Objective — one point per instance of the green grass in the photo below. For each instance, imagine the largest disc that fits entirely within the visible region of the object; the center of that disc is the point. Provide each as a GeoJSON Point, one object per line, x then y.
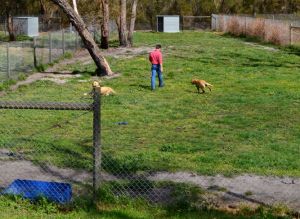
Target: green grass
{"type": "Point", "coordinates": [5, 38]}
{"type": "Point", "coordinates": [14, 207]}
{"type": "Point", "coordinates": [249, 123]}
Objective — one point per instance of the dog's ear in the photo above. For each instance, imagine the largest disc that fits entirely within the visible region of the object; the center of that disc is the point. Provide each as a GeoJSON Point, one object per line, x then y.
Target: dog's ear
{"type": "Point", "coordinates": [96, 84]}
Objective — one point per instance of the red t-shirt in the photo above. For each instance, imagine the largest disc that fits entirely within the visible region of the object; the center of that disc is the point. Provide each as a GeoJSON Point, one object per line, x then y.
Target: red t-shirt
{"type": "Point", "coordinates": [155, 57]}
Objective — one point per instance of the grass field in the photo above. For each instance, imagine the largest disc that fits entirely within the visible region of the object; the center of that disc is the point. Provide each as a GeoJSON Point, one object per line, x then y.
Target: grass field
{"type": "Point", "coordinates": [15, 208]}
{"type": "Point", "coordinates": [249, 123]}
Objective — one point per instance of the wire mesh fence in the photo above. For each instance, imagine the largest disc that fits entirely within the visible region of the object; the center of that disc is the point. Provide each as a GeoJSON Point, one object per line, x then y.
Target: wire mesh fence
{"type": "Point", "coordinates": [22, 56]}
{"type": "Point", "coordinates": [196, 22]}
{"type": "Point", "coordinates": [44, 140]}
{"type": "Point", "coordinates": [46, 149]}
{"type": "Point", "coordinates": [278, 31]}
{"type": "Point", "coordinates": [59, 142]}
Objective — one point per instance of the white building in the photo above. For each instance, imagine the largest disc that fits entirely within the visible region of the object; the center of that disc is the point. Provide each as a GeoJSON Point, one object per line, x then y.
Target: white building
{"type": "Point", "coordinates": [28, 26]}
{"type": "Point", "coordinates": [168, 23]}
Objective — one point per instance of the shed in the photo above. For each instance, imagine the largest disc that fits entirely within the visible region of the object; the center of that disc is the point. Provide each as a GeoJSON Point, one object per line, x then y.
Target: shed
{"type": "Point", "coordinates": [168, 23]}
{"type": "Point", "coordinates": [28, 26]}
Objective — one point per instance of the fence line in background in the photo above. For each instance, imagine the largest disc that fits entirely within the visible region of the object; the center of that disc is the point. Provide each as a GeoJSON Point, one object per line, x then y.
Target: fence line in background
{"type": "Point", "coordinates": [195, 22]}
{"type": "Point", "coordinates": [281, 32]}
{"type": "Point", "coordinates": [23, 56]}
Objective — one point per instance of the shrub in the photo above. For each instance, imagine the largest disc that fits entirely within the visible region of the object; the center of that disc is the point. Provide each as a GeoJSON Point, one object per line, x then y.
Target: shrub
{"type": "Point", "coordinates": [234, 26]}
{"type": "Point", "coordinates": [258, 28]}
{"type": "Point", "coordinates": [275, 37]}
{"type": "Point", "coordinates": [221, 24]}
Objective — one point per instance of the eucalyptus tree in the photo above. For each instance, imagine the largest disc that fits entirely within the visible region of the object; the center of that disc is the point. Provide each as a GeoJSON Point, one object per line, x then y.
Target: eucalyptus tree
{"type": "Point", "coordinates": [105, 24]}
{"type": "Point", "coordinates": [91, 46]}
{"type": "Point", "coordinates": [132, 22]}
{"type": "Point", "coordinates": [7, 10]}
{"type": "Point", "coordinates": [122, 26]}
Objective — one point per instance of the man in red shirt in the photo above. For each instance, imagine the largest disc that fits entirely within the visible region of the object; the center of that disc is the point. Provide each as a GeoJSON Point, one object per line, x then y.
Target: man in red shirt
{"type": "Point", "coordinates": [155, 57]}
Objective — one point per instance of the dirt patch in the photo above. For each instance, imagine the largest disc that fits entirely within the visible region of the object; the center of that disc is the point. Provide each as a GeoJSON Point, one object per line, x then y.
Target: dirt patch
{"type": "Point", "coordinates": [272, 49]}
{"type": "Point", "coordinates": [60, 78]}
{"type": "Point", "coordinates": [83, 57]}
{"type": "Point", "coordinates": [227, 192]}
{"type": "Point", "coordinates": [127, 52]}
{"type": "Point", "coordinates": [250, 189]}
{"type": "Point", "coordinates": [12, 170]}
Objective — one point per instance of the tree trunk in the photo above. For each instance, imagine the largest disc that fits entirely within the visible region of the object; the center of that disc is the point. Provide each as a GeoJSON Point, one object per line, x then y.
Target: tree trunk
{"type": "Point", "coordinates": [75, 6]}
{"type": "Point", "coordinates": [10, 26]}
{"type": "Point", "coordinates": [123, 25]}
{"type": "Point", "coordinates": [118, 22]}
{"type": "Point", "coordinates": [90, 45]}
{"type": "Point", "coordinates": [132, 22]}
{"type": "Point", "coordinates": [149, 15]}
{"type": "Point", "coordinates": [42, 8]}
{"type": "Point", "coordinates": [105, 25]}
{"type": "Point", "coordinates": [254, 8]}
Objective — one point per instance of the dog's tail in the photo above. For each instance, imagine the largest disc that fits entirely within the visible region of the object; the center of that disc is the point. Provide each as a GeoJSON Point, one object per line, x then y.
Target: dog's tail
{"type": "Point", "coordinates": [112, 91]}
{"type": "Point", "coordinates": [208, 84]}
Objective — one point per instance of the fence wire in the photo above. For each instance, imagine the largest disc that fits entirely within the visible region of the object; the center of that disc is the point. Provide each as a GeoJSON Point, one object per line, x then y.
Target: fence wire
{"type": "Point", "coordinates": [196, 22]}
{"type": "Point", "coordinates": [23, 56]}
{"type": "Point", "coordinates": [281, 31]}
{"type": "Point", "coordinates": [50, 141]}
{"type": "Point", "coordinates": [46, 142]}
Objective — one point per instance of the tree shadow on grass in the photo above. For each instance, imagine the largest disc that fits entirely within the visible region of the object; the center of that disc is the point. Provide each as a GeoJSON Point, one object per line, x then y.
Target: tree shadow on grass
{"type": "Point", "coordinates": [141, 86]}
{"type": "Point", "coordinates": [72, 167]}
{"type": "Point", "coordinates": [239, 196]}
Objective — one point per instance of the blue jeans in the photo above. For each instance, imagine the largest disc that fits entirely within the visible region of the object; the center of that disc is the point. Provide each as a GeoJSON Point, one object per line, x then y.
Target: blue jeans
{"type": "Point", "coordinates": [156, 69]}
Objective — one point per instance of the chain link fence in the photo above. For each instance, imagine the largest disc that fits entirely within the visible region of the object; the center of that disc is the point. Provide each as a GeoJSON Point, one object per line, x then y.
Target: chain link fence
{"type": "Point", "coordinates": [60, 142]}
{"type": "Point", "coordinates": [196, 22]}
{"type": "Point", "coordinates": [278, 31]}
{"type": "Point", "coordinates": [22, 56]}
{"type": "Point", "coordinates": [49, 143]}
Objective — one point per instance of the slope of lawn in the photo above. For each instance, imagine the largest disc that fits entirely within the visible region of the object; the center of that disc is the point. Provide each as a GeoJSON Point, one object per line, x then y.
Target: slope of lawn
{"type": "Point", "coordinates": [249, 123]}
{"type": "Point", "coordinates": [15, 208]}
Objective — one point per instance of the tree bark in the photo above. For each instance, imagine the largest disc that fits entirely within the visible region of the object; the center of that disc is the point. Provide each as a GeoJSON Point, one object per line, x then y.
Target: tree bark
{"type": "Point", "coordinates": [42, 8]}
{"type": "Point", "coordinates": [118, 22]}
{"type": "Point", "coordinates": [105, 25]}
{"type": "Point", "coordinates": [10, 26]}
{"type": "Point", "coordinates": [149, 15]}
{"type": "Point", "coordinates": [123, 25]}
{"type": "Point", "coordinates": [75, 6]}
{"type": "Point", "coordinates": [132, 22]}
{"type": "Point", "coordinates": [90, 45]}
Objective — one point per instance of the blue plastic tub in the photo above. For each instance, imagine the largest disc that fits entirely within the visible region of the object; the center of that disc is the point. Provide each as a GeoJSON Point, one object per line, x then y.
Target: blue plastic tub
{"type": "Point", "coordinates": [32, 189]}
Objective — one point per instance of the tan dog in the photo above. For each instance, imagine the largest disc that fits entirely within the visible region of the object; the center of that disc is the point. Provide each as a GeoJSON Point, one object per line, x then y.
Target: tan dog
{"type": "Point", "coordinates": [105, 91]}
{"type": "Point", "coordinates": [201, 84]}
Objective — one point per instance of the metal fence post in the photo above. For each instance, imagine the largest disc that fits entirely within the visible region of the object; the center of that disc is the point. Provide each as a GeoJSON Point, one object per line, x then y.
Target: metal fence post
{"type": "Point", "coordinates": [245, 26]}
{"type": "Point", "coordinates": [291, 34]}
{"type": "Point", "coordinates": [50, 47]}
{"type": "Point", "coordinates": [63, 41]}
{"type": "Point", "coordinates": [34, 52]}
{"type": "Point", "coordinates": [264, 33]}
{"type": "Point", "coordinates": [96, 140]}
{"type": "Point", "coordinates": [76, 40]}
{"type": "Point", "coordinates": [8, 60]}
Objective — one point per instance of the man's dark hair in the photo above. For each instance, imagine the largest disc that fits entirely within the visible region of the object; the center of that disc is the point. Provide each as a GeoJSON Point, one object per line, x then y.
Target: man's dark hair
{"type": "Point", "coordinates": [158, 46]}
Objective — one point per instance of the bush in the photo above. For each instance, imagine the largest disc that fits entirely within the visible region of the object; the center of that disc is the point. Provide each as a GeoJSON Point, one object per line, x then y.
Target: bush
{"type": "Point", "coordinates": [234, 27]}
{"type": "Point", "coordinates": [275, 37]}
{"type": "Point", "coordinates": [258, 28]}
